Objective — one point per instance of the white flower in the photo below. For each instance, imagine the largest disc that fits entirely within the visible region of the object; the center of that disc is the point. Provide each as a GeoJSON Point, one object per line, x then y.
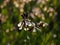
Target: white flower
{"type": "Point", "coordinates": [30, 24]}
{"type": "Point", "coordinates": [25, 29]}
{"type": "Point", "coordinates": [45, 24]}
{"type": "Point", "coordinates": [19, 24]}
{"type": "Point", "coordinates": [20, 28]}
{"type": "Point", "coordinates": [41, 21]}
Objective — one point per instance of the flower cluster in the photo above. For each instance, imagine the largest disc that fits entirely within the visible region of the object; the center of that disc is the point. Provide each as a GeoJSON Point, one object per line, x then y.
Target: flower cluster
{"type": "Point", "coordinates": [48, 11]}
{"type": "Point", "coordinates": [28, 25]}
{"type": "Point", "coordinates": [25, 24]}
{"type": "Point", "coordinates": [20, 4]}
{"type": "Point", "coordinates": [5, 2]}
{"type": "Point", "coordinates": [44, 9]}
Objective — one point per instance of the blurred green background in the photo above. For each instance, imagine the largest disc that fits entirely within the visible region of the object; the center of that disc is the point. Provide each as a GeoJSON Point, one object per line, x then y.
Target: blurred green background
{"type": "Point", "coordinates": [10, 16]}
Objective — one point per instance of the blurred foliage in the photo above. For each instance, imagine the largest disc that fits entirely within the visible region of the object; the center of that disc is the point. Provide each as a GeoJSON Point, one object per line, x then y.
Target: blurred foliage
{"type": "Point", "coordinates": [10, 16]}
